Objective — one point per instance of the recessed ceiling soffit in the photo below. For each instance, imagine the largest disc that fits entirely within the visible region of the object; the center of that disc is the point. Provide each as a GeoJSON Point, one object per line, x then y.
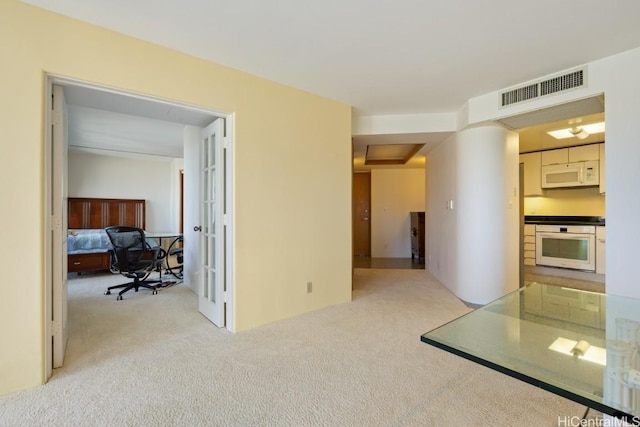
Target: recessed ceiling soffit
{"type": "Point", "coordinates": [391, 154]}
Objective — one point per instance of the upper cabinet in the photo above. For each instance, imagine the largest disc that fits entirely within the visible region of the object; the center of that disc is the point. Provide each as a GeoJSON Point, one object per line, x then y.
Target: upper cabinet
{"type": "Point", "coordinates": [580, 153]}
{"type": "Point", "coordinates": [583, 153]}
{"type": "Point", "coordinates": [533, 163]}
{"type": "Point", "coordinates": [532, 168]}
{"type": "Point", "coordinates": [555, 157]}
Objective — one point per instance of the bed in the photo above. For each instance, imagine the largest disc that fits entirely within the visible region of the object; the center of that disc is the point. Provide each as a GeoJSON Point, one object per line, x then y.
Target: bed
{"type": "Point", "coordinates": [88, 245]}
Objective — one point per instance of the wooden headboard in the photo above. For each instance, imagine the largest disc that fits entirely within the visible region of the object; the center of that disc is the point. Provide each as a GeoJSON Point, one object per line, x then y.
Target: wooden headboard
{"type": "Point", "coordinates": [102, 213]}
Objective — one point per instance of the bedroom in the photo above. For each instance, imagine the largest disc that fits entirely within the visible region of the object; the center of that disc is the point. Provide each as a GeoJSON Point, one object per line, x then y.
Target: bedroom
{"type": "Point", "coordinates": [123, 147]}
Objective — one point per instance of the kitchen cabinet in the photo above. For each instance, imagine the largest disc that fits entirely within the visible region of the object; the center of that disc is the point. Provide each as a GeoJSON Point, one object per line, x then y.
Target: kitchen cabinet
{"type": "Point", "coordinates": [601, 240]}
{"type": "Point", "coordinates": [532, 167]}
{"type": "Point", "coordinates": [603, 185]}
{"type": "Point", "coordinates": [554, 157]}
{"type": "Point", "coordinates": [529, 244]}
{"type": "Point", "coordinates": [583, 153]}
{"type": "Point", "coordinates": [580, 153]}
{"type": "Point", "coordinates": [533, 163]}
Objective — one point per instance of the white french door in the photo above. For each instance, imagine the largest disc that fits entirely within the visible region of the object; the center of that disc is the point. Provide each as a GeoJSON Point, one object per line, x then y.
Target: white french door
{"type": "Point", "coordinates": [212, 228]}
{"type": "Point", "coordinates": [58, 206]}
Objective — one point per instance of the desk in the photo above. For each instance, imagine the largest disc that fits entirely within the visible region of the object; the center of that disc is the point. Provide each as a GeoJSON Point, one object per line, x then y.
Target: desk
{"type": "Point", "coordinates": [175, 270]}
{"type": "Point", "coordinates": [577, 344]}
{"type": "Point", "coordinates": [161, 236]}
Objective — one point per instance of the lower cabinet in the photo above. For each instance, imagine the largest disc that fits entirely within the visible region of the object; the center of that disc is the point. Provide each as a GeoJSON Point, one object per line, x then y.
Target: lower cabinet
{"type": "Point", "coordinates": [529, 244]}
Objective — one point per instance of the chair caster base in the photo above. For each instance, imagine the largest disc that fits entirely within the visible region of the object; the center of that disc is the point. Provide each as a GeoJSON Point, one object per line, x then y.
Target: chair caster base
{"type": "Point", "coordinates": [155, 292]}
{"type": "Point", "coordinates": [107, 292]}
{"type": "Point", "coordinates": [119, 298]}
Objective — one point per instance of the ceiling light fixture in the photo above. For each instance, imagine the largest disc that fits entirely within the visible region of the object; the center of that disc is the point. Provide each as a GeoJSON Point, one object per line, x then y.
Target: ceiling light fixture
{"type": "Point", "coordinates": [580, 132]}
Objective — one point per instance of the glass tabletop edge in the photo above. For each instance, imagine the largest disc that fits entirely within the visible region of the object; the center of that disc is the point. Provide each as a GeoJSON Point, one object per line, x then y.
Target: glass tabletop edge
{"type": "Point", "coordinates": [598, 406]}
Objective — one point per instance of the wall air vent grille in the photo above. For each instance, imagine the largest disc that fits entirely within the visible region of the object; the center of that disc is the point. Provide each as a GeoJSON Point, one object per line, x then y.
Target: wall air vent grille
{"type": "Point", "coordinates": [560, 83]}
{"type": "Point", "coordinates": [520, 94]}
{"type": "Point", "coordinates": [572, 80]}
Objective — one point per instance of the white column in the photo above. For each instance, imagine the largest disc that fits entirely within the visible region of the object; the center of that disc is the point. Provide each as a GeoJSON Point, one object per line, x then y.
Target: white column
{"type": "Point", "coordinates": [487, 214]}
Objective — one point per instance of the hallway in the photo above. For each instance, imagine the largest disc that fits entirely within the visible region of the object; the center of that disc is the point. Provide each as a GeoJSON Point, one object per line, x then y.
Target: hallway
{"type": "Point", "coordinates": [388, 263]}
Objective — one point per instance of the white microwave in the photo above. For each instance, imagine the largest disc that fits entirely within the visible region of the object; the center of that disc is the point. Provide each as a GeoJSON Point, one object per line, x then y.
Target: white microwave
{"type": "Point", "coordinates": [578, 174]}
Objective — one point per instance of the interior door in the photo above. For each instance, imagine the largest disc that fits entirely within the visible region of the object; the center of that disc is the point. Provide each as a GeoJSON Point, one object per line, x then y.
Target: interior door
{"type": "Point", "coordinates": [59, 196]}
{"type": "Point", "coordinates": [361, 212]}
{"type": "Point", "coordinates": [211, 228]}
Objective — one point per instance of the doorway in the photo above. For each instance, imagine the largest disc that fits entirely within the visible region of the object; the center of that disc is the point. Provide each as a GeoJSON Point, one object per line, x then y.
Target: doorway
{"type": "Point", "coordinates": [124, 103]}
{"type": "Point", "coordinates": [542, 145]}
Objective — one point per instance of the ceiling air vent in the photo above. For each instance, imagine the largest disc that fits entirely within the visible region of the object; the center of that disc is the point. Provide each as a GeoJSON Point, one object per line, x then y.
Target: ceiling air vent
{"type": "Point", "coordinates": [519, 95]}
{"type": "Point", "coordinates": [561, 83]}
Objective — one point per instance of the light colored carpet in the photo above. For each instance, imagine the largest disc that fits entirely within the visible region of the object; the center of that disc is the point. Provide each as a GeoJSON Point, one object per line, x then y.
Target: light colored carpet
{"type": "Point", "coordinates": [153, 360]}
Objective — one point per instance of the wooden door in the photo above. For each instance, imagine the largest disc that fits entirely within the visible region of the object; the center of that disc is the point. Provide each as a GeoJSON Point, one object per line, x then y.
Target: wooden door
{"type": "Point", "coordinates": [361, 212]}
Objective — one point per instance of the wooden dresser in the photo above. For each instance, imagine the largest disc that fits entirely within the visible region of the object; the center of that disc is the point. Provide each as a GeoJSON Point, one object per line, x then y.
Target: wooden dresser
{"type": "Point", "coordinates": [417, 235]}
{"type": "Point", "coordinates": [82, 263]}
{"type": "Point", "coordinates": [98, 213]}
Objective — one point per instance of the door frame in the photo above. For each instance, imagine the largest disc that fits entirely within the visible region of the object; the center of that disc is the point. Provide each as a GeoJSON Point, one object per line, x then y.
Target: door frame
{"type": "Point", "coordinates": [51, 79]}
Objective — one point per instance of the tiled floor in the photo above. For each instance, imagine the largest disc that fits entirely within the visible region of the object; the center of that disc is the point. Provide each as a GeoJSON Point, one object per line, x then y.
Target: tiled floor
{"type": "Point", "coordinates": [388, 263]}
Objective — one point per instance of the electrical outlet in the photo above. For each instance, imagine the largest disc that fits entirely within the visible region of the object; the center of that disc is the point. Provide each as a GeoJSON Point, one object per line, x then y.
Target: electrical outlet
{"type": "Point", "coordinates": [309, 287]}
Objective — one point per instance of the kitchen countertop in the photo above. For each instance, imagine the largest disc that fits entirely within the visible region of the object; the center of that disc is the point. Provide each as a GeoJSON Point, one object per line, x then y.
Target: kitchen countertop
{"type": "Point", "coordinates": [564, 220]}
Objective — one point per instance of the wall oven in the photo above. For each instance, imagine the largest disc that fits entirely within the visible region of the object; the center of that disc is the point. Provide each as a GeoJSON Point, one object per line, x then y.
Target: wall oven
{"type": "Point", "coordinates": [567, 246]}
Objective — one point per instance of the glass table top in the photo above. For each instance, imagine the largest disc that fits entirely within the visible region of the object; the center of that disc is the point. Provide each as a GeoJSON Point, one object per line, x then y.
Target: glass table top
{"type": "Point", "coordinates": [578, 344]}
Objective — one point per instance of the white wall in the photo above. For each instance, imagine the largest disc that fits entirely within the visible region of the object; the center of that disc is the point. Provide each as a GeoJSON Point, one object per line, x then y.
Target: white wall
{"type": "Point", "coordinates": [472, 195]}
{"type": "Point", "coordinates": [191, 139]}
{"type": "Point", "coordinates": [394, 194]}
{"type": "Point", "coordinates": [92, 175]}
{"type": "Point", "coordinates": [487, 213]}
{"type": "Point", "coordinates": [622, 165]}
{"type": "Point", "coordinates": [176, 166]}
{"type": "Point", "coordinates": [404, 123]}
{"type": "Point", "coordinates": [440, 222]}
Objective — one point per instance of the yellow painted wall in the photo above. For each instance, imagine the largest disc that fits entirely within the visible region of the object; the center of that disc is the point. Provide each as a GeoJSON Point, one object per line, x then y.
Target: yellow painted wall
{"type": "Point", "coordinates": [292, 173]}
{"type": "Point", "coordinates": [574, 202]}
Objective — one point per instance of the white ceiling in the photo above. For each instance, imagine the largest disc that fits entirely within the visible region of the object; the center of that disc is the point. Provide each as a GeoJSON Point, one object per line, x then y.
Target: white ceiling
{"type": "Point", "coordinates": [381, 57]}
{"type": "Point", "coordinates": [103, 122]}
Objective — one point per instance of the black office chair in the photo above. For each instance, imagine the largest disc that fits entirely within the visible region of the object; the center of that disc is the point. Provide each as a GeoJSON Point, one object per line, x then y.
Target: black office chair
{"type": "Point", "coordinates": [133, 257]}
{"type": "Point", "coordinates": [176, 258]}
